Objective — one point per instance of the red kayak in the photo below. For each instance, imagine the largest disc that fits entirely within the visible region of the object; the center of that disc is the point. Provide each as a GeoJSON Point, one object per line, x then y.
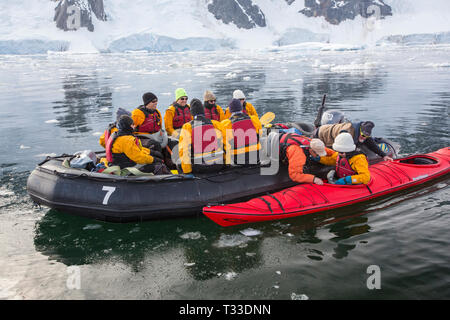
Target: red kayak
{"type": "Point", "coordinates": [386, 177]}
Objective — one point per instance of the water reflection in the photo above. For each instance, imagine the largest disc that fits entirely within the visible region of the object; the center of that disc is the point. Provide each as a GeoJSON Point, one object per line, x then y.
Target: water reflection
{"type": "Point", "coordinates": [209, 250]}
{"type": "Point", "coordinates": [85, 97]}
{"type": "Point", "coordinates": [224, 86]}
{"type": "Point", "coordinates": [340, 88]}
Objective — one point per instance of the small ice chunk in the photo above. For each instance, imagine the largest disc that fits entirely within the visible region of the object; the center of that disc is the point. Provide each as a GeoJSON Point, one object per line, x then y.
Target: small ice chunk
{"type": "Point", "coordinates": [230, 75]}
{"type": "Point", "coordinates": [191, 235]}
{"type": "Point", "coordinates": [52, 121]}
{"type": "Point", "coordinates": [295, 296]}
{"type": "Point", "coordinates": [230, 275]}
{"type": "Point", "coordinates": [250, 232]}
{"type": "Point", "coordinates": [189, 264]}
{"type": "Point", "coordinates": [92, 227]}
{"type": "Point", "coordinates": [233, 240]}
{"type": "Point", "coordinates": [278, 272]}
{"type": "Point", "coordinates": [24, 147]}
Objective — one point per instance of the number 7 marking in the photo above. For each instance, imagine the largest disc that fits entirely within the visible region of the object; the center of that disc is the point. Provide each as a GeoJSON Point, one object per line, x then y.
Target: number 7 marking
{"type": "Point", "coordinates": [108, 194]}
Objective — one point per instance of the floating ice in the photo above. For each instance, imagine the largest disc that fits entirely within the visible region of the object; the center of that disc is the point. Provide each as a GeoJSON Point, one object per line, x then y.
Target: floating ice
{"type": "Point", "coordinates": [191, 235]}
{"type": "Point", "coordinates": [230, 75]}
{"type": "Point", "coordinates": [52, 121]}
{"type": "Point", "coordinates": [232, 240]}
{"type": "Point", "coordinates": [250, 232]}
{"type": "Point", "coordinates": [92, 227]}
{"type": "Point", "coordinates": [438, 65]}
{"type": "Point", "coordinates": [24, 147]}
{"type": "Point", "coordinates": [97, 133]}
{"type": "Point", "coordinates": [230, 275]}
{"type": "Point", "coordinates": [295, 296]}
{"type": "Point", "coordinates": [189, 264]}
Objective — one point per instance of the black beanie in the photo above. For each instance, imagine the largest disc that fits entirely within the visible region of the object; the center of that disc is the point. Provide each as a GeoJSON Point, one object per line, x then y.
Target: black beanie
{"type": "Point", "coordinates": [196, 107]}
{"type": "Point", "coordinates": [124, 124]}
{"type": "Point", "coordinates": [235, 106]}
{"type": "Point", "coordinates": [148, 97]}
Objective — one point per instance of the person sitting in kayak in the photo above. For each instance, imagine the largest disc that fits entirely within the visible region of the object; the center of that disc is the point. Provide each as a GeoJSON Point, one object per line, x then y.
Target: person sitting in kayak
{"type": "Point", "coordinates": [201, 142]}
{"type": "Point", "coordinates": [177, 114]}
{"type": "Point", "coordinates": [296, 151]}
{"type": "Point", "coordinates": [123, 149]}
{"type": "Point", "coordinates": [247, 107]}
{"type": "Point", "coordinates": [352, 166]}
{"type": "Point", "coordinates": [242, 133]}
{"type": "Point", "coordinates": [212, 110]}
{"type": "Point", "coordinates": [360, 131]}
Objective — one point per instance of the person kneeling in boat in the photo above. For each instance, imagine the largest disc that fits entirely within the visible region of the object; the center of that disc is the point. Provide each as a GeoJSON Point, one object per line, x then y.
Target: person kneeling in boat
{"type": "Point", "coordinates": [147, 120]}
{"type": "Point", "coordinates": [201, 142]}
{"type": "Point", "coordinates": [360, 131]}
{"type": "Point", "coordinates": [297, 152]}
{"type": "Point", "coordinates": [123, 149]}
{"type": "Point", "coordinates": [352, 166]}
{"type": "Point", "coordinates": [242, 133]}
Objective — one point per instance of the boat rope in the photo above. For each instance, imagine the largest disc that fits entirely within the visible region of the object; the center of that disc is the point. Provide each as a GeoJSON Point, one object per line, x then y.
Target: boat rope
{"type": "Point", "coordinates": [383, 174]}
{"type": "Point", "coordinates": [266, 202]}
{"type": "Point", "coordinates": [276, 199]}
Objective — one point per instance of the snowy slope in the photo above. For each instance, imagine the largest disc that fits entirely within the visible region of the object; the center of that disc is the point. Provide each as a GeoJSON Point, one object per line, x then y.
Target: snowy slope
{"type": "Point", "coordinates": [179, 25]}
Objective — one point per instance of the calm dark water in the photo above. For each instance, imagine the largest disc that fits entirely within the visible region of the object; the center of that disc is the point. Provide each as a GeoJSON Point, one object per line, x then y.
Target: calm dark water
{"type": "Point", "coordinates": [54, 104]}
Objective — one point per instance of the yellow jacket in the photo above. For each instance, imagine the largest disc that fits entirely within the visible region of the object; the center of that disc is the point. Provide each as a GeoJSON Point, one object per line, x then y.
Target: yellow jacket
{"type": "Point", "coordinates": [139, 117]}
{"type": "Point", "coordinates": [127, 145]}
{"type": "Point", "coordinates": [102, 141]}
{"type": "Point", "coordinates": [228, 127]}
{"type": "Point", "coordinates": [358, 163]}
{"type": "Point", "coordinates": [251, 111]}
{"type": "Point", "coordinates": [185, 141]}
{"type": "Point", "coordinates": [168, 119]}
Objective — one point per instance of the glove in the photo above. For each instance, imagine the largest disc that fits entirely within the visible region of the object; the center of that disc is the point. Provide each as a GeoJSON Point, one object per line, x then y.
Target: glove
{"type": "Point", "coordinates": [157, 160]}
{"type": "Point", "coordinates": [346, 180]}
{"type": "Point", "coordinates": [316, 159]}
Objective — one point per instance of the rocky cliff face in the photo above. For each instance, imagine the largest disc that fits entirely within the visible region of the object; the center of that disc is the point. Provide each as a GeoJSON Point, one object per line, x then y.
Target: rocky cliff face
{"type": "Point", "coordinates": [243, 13]}
{"type": "Point", "coordinates": [76, 14]}
{"type": "Point", "coordinates": [336, 11]}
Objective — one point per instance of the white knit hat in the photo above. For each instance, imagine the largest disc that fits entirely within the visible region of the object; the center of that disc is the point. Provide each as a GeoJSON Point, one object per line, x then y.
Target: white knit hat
{"type": "Point", "coordinates": [344, 143]}
{"type": "Point", "coordinates": [238, 94]}
{"type": "Point", "coordinates": [318, 147]}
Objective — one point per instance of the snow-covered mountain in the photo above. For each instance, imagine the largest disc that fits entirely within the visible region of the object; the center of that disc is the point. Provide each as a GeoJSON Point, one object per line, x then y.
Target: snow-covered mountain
{"type": "Point", "coordinates": [36, 26]}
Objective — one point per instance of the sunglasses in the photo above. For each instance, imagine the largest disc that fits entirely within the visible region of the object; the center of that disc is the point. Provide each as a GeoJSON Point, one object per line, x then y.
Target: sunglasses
{"type": "Point", "coordinates": [242, 99]}
{"type": "Point", "coordinates": [154, 101]}
{"type": "Point", "coordinates": [363, 135]}
{"type": "Point", "coordinates": [185, 98]}
{"type": "Point", "coordinates": [211, 101]}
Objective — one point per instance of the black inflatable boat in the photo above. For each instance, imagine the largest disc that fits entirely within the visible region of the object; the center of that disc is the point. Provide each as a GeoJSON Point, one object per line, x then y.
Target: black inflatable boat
{"type": "Point", "coordinates": [136, 198]}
